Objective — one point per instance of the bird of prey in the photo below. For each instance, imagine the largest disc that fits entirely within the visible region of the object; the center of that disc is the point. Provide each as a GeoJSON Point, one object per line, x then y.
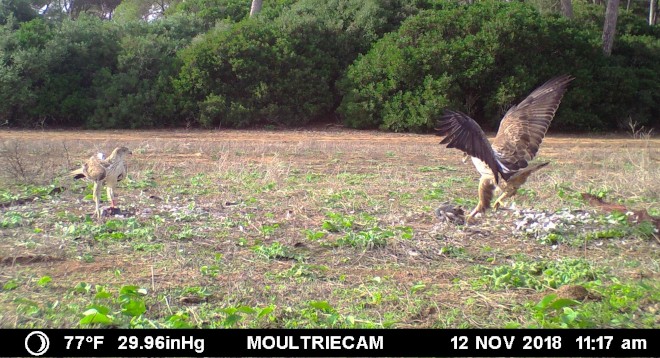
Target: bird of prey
{"type": "Point", "coordinates": [101, 171]}
{"type": "Point", "coordinates": [505, 162]}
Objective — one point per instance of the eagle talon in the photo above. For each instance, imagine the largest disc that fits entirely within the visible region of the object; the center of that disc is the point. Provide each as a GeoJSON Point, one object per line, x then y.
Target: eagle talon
{"type": "Point", "coordinates": [467, 220]}
{"type": "Point", "coordinates": [472, 215]}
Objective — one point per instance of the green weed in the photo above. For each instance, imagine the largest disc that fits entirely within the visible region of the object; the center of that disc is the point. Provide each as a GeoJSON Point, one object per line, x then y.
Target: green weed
{"type": "Point", "coordinates": [44, 281]}
{"type": "Point", "coordinates": [338, 222]}
{"type": "Point", "coordinates": [274, 251]}
{"type": "Point", "coordinates": [233, 316]}
{"type": "Point", "coordinates": [354, 178]}
{"type": "Point", "coordinates": [453, 251]}
{"type": "Point", "coordinates": [368, 239]}
{"type": "Point", "coordinates": [196, 291]}
{"type": "Point", "coordinates": [553, 312]}
{"type": "Point", "coordinates": [268, 230]}
{"type": "Point", "coordinates": [437, 168]}
{"type": "Point", "coordinates": [146, 181]}
{"type": "Point", "coordinates": [536, 275]}
{"type": "Point", "coordinates": [110, 310]}
{"type": "Point", "coordinates": [313, 235]}
{"type": "Point", "coordinates": [12, 219]}
{"type": "Point", "coordinates": [304, 271]}
{"type": "Point", "coordinates": [10, 285]}
{"type": "Point", "coordinates": [568, 195]}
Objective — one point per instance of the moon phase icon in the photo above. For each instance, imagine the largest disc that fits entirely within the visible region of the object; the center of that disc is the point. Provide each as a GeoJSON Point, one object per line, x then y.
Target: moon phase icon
{"type": "Point", "coordinates": [43, 338]}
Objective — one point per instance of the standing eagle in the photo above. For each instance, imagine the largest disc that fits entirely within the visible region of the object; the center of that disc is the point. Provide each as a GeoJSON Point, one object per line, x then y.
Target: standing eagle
{"type": "Point", "coordinates": [101, 171]}
{"type": "Point", "coordinates": [517, 141]}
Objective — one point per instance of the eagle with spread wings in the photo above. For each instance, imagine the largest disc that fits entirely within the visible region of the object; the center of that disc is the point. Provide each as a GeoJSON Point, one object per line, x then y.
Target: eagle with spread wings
{"type": "Point", "coordinates": [505, 162]}
{"type": "Point", "coordinates": [106, 172]}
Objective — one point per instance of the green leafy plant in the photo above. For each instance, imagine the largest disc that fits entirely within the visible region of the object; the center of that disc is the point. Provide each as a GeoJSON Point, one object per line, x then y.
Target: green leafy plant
{"type": "Point", "coordinates": [11, 219]}
{"type": "Point", "coordinates": [129, 302]}
{"type": "Point", "coordinates": [303, 270]}
{"type": "Point", "coordinates": [10, 285]}
{"type": "Point", "coordinates": [537, 275]}
{"type": "Point", "coordinates": [368, 239]}
{"type": "Point", "coordinates": [233, 315]}
{"type": "Point", "coordinates": [337, 222]}
{"type": "Point", "coordinates": [314, 235]}
{"type": "Point", "coordinates": [44, 281]}
{"type": "Point", "coordinates": [269, 229]}
{"type": "Point", "coordinates": [274, 251]}
{"type": "Point", "coordinates": [553, 312]}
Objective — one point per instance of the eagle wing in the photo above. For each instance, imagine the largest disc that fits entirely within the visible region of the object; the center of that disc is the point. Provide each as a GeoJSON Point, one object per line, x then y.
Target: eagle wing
{"type": "Point", "coordinates": [93, 169]}
{"type": "Point", "coordinates": [524, 126]}
{"type": "Point", "coordinates": [462, 132]}
{"type": "Point", "coordinates": [115, 167]}
{"type": "Point", "coordinates": [122, 172]}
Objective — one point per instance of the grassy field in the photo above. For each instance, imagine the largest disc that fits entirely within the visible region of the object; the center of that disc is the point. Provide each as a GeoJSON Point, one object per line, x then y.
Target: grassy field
{"type": "Point", "coordinates": [327, 228]}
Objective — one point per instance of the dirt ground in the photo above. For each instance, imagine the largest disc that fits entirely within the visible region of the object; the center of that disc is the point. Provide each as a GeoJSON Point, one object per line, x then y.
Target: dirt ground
{"type": "Point", "coordinates": [194, 195]}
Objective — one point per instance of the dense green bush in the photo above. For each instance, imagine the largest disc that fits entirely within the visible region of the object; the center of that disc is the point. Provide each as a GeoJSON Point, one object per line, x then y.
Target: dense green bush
{"type": "Point", "coordinates": [210, 12]}
{"type": "Point", "coordinates": [282, 71]}
{"type": "Point", "coordinates": [49, 70]}
{"type": "Point", "coordinates": [16, 10]}
{"type": "Point", "coordinates": [138, 92]}
{"type": "Point", "coordinates": [93, 73]}
{"type": "Point", "coordinates": [332, 33]}
{"type": "Point", "coordinates": [484, 57]}
{"type": "Point", "coordinates": [390, 64]}
{"type": "Point", "coordinates": [244, 74]}
{"type": "Point", "coordinates": [627, 84]}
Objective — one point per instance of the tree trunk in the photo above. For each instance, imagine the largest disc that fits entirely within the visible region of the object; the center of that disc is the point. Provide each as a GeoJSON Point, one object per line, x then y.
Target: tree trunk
{"type": "Point", "coordinates": [567, 8]}
{"type": "Point", "coordinates": [256, 7]}
{"type": "Point", "coordinates": [653, 12]}
{"type": "Point", "coordinates": [628, 5]}
{"type": "Point", "coordinates": [609, 28]}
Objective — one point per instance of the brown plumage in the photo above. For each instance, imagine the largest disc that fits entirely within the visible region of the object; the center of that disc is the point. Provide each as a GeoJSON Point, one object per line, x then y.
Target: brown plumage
{"type": "Point", "coordinates": [518, 139]}
{"type": "Point", "coordinates": [106, 172]}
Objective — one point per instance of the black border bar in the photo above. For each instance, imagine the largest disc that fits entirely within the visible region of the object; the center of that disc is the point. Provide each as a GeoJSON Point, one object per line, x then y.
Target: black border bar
{"type": "Point", "coordinates": [330, 342]}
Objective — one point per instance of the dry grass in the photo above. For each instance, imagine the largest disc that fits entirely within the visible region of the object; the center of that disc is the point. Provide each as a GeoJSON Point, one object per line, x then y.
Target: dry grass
{"type": "Point", "coordinates": [202, 205]}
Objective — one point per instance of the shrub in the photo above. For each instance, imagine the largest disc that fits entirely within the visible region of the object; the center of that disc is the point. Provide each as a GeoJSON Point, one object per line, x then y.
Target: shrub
{"type": "Point", "coordinates": [242, 74]}
{"type": "Point", "coordinates": [282, 71]}
{"type": "Point", "coordinates": [333, 33]}
{"type": "Point", "coordinates": [93, 73]}
{"type": "Point", "coordinates": [212, 11]}
{"type": "Point", "coordinates": [138, 92]}
{"type": "Point", "coordinates": [20, 10]}
{"type": "Point", "coordinates": [390, 64]}
{"type": "Point", "coordinates": [483, 58]}
{"type": "Point", "coordinates": [53, 67]}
